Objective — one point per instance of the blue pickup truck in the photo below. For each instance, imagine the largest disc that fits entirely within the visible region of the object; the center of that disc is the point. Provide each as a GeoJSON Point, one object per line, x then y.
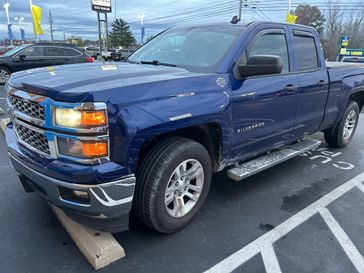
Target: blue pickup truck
{"type": "Point", "coordinates": [101, 140]}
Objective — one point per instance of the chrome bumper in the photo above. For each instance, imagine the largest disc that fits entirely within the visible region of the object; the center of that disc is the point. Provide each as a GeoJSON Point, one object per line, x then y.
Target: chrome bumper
{"type": "Point", "coordinates": [107, 200]}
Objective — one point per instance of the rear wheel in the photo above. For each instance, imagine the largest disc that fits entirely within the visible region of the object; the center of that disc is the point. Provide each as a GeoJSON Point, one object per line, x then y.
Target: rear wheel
{"type": "Point", "coordinates": [172, 184]}
{"type": "Point", "coordinates": [343, 132]}
{"type": "Point", "coordinates": [4, 75]}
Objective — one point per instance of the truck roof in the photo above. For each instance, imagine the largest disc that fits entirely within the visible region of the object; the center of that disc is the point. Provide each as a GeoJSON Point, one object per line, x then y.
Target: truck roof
{"type": "Point", "coordinates": [243, 24]}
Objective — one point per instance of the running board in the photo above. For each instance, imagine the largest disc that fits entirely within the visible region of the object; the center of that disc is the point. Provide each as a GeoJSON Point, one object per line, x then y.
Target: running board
{"type": "Point", "coordinates": [266, 161]}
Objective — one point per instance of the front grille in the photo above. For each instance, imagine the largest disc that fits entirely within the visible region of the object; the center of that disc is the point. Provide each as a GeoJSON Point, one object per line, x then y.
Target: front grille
{"type": "Point", "coordinates": [27, 107]}
{"type": "Point", "coordinates": [32, 138]}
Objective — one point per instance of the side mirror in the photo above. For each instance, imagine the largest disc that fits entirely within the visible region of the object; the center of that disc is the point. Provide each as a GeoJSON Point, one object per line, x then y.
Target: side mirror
{"type": "Point", "coordinates": [261, 65]}
{"type": "Point", "coordinates": [22, 56]}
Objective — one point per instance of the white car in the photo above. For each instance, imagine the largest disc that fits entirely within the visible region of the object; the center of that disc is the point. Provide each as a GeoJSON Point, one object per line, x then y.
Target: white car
{"type": "Point", "coordinates": [353, 59]}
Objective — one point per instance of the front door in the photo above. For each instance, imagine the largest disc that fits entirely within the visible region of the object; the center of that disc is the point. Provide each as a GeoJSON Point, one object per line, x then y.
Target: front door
{"type": "Point", "coordinates": [264, 107]}
{"type": "Point", "coordinates": [30, 57]}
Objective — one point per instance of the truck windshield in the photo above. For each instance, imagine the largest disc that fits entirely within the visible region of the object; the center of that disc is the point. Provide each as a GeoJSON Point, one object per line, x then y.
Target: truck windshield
{"type": "Point", "coordinates": [198, 49]}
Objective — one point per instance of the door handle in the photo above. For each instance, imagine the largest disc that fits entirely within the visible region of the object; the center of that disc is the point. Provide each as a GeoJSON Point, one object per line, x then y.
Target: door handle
{"type": "Point", "coordinates": [290, 88]}
{"type": "Point", "coordinates": [322, 83]}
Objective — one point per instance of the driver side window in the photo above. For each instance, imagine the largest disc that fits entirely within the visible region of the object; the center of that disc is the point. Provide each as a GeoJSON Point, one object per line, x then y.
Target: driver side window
{"type": "Point", "coordinates": [269, 44]}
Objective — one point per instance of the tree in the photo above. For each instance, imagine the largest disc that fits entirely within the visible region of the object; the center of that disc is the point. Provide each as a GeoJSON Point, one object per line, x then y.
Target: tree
{"type": "Point", "coordinates": [310, 16]}
{"type": "Point", "coordinates": [354, 29]}
{"type": "Point", "coordinates": [121, 35]}
{"type": "Point", "coordinates": [333, 31]}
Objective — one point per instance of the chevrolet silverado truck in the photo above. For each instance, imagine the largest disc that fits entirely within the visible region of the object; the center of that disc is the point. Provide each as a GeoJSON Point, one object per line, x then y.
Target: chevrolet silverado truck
{"type": "Point", "coordinates": [103, 140]}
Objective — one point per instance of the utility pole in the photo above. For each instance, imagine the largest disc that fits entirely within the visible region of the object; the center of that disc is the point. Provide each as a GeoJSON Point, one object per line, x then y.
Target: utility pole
{"type": "Point", "coordinates": [51, 24]}
{"type": "Point", "coordinates": [64, 37]}
{"type": "Point", "coordinates": [240, 9]}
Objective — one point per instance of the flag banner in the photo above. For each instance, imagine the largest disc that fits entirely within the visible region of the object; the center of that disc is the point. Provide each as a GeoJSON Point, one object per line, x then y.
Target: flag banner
{"type": "Point", "coordinates": [22, 32]}
{"type": "Point", "coordinates": [10, 33]}
{"type": "Point", "coordinates": [37, 19]}
{"type": "Point", "coordinates": [291, 19]}
{"type": "Point", "coordinates": [143, 34]}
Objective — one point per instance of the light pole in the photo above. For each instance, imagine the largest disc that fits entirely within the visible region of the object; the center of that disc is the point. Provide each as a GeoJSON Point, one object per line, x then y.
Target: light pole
{"type": "Point", "coordinates": [141, 17]}
{"type": "Point", "coordinates": [289, 7]}
{"type": "Point", "coordinates": [20, 21]}
{"type": "Point", "coordinates": [6, 7]}
{"type": "Point", "coordinates": [51, 25]}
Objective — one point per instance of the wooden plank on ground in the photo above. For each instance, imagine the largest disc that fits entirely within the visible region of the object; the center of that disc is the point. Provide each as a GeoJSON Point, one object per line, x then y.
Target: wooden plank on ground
{"type": "Point", "coordinates": [3, 123]}
{"type": "Point", "coordinates": [99, 248]}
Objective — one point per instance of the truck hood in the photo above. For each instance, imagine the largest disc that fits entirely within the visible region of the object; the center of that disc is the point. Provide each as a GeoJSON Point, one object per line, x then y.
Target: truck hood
{"type": "Point", "coordinates": [86, 82]}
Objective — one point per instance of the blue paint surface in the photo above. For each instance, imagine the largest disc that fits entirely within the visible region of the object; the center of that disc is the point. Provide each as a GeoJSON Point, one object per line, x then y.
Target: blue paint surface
{"type": "Point", "coordinates": [254, 114]}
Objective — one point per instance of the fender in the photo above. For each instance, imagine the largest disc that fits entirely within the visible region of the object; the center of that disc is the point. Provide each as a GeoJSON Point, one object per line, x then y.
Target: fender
{"type": "Point", "coordinates": [143, 121]}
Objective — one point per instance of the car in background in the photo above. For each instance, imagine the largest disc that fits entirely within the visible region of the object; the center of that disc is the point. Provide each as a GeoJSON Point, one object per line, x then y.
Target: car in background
{"type": "Point", "coordinates": [92, 52]}
{"type": "Point", "coordinates": [4, 49]}
{"type": "Point", "coordinates": [121, 54]}
{"type": "Point", "coordinates": [353, 60]}
{"type": "Point", "coordinates": [39, 55]}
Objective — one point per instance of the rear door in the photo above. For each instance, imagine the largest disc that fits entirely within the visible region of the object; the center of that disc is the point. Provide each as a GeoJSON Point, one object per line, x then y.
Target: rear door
{"type": "Point", "coordinates": [54, 55]}
{"type": "Point", "coordinates": [58, 55]}
{"type": "Point", "coordinates": [74, 55]}
{"type": "Point", "coordinates": [313, 82]}
{"type": "Point", "coordinates": [264, 107]}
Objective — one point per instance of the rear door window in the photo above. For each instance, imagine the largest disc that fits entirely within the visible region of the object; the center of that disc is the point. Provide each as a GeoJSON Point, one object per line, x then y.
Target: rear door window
{"type": "Point", "coordinates": [71, 52]}
{"type": "Point", "coordinates": [306, 51]}
{"type": "Point", "coordinates": [54, 52]}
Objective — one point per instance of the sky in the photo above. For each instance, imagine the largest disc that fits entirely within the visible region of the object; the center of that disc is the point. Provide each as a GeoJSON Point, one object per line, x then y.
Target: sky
{"type": "Point", "coordinates": [75, 17]}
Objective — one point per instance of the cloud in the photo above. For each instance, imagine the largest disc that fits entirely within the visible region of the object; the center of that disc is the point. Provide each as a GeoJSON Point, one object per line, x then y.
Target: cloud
{"type": "Point", "coordinates": [75, 17]}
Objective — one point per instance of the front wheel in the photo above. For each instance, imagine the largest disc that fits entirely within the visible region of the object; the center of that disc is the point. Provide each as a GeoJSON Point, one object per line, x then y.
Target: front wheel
{"type": "Point", "coordinates": [4, 75]}
{"type": "Point", "coordinates": [343, 132]}
{"type": "Point", "coordinates": [172, 184]}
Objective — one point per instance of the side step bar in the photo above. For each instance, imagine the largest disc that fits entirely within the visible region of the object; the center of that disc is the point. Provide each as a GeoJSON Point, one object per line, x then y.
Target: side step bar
{"type": "Point", "coordinates": [266, 161]}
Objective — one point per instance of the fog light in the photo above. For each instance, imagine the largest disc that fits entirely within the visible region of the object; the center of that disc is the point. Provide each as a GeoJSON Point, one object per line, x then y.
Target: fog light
{"type": "Point", "coordinates": [74, 196]}
{"type": "Point", "coordinates": [83, 149]}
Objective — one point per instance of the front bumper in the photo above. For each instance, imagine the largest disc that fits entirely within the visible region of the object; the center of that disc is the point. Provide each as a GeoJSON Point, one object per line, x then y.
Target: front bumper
{"type": "Point", "coordinates": [107, 206]}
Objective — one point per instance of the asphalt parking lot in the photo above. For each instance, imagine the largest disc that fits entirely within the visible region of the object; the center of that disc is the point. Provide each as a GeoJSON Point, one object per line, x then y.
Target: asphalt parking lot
{"type": "Point", "coordinates": [304, 215]}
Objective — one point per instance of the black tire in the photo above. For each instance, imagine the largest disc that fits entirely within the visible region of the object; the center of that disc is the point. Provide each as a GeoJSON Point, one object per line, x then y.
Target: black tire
{"type": "Point", "coordinates": [6, 70]}
{"type": "Point", "coordinates": [335, 135]}
{"type": "Point", "coordinates": [153, 177]}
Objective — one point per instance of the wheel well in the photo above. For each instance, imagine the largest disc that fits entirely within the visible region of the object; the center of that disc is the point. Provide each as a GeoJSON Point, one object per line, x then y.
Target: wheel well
{"type": "Point", "coordinates": [358, 98]}
{"type": "Point", "coordinates": [7, 67]}
{"type": "Point", "coordinates": [208, 135]}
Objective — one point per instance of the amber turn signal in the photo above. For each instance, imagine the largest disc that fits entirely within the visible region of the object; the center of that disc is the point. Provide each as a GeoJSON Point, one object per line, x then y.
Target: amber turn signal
{"type": "Point", "coordinates": [94, 118]}
{"type": "Point", "coordinates": [94, 149]}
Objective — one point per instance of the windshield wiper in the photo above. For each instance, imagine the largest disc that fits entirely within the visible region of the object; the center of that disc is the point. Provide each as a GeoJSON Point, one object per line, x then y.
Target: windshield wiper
{"type": "Point", "coordinates": [156, 62]}
{"type": "Point", "coordinates": [131, 61]}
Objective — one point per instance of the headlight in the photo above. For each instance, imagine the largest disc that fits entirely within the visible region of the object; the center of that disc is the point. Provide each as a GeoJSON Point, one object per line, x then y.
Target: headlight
{"type": "Point", "coordinates": [82, 149]}
{"type": "Point", "coordinates": [73, 118]}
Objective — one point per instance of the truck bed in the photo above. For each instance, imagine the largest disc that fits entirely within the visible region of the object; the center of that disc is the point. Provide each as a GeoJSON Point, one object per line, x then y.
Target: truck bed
{"type": "Point", "coordinates": [337, 65]}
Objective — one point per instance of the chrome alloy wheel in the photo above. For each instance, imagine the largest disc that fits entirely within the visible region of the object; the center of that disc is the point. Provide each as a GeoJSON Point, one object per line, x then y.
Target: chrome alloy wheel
{"type": "Point", "coordinates": [4, 76]}
{"type": "Point", "coordinates": [349, 125]}
{"type": "Point", "coordinates": [184, 188]}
